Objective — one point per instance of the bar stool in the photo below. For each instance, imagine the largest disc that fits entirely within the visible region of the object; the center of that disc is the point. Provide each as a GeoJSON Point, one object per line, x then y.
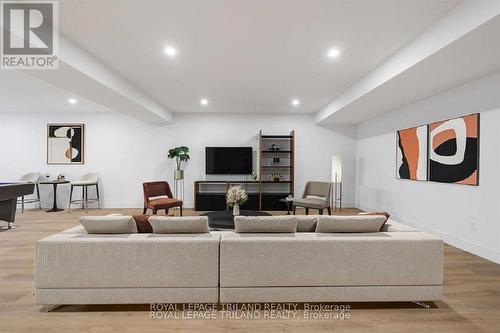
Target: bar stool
{"type": "Point", "coordinates": [89, 179]}
{"type": "Point", "coordinates": [31, 178]}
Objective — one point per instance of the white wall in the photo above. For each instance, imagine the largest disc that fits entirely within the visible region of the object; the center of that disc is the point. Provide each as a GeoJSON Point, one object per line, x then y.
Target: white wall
{"type": "Point", "coordinates": [127, 152]}
{"type": "Point", "coordinates": [465, 216]}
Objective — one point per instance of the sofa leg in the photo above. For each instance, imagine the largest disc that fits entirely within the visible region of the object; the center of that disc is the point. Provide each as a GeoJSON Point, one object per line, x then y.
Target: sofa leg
{"type": "Point", "coordinates": [320, 211]}
{"type": "Point", "coordinates": [329, 210]}
{"type": "Point", "coordinates": [422, 304]}
{"type": "Point", "coordinates": [155, 211]}
{"type": "Point", "coordinates": [144, 211]}
{"type": "Point", "coordinates": [307, 211]}
{"type": "Point", "coordinates": [294, 209]}
{"type": "Point", "coordinates": [181, 210]}
{"type": "Point", "coordinates": [50, 308]}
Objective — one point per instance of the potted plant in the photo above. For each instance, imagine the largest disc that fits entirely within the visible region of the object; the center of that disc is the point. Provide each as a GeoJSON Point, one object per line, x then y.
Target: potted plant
{"type": "Point", "coordinates": [181, 154]}
{"type": "Point", "coordinates": [235, 197]}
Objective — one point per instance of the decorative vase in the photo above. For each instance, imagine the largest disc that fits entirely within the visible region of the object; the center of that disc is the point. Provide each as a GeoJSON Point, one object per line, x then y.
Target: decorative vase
{"type": "Point", "coordinates": [236, 209]}
{"type": "Point", "coordinates": [179, 174]}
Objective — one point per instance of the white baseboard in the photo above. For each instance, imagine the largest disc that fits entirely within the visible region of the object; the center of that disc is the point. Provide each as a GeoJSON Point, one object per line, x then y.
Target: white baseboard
{"type": "Point", "coordinates": [458, 242]}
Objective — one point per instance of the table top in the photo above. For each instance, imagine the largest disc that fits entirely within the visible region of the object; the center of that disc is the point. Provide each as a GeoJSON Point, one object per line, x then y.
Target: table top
{"type": "Point", "coordinates": [53, 182]}
{"type": "Point", "coordinates": [224, 219]}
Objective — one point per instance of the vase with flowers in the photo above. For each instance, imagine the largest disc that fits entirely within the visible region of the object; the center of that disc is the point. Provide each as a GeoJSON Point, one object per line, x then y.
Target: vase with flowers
{"type": "Point", "coordinates": [235, 197]}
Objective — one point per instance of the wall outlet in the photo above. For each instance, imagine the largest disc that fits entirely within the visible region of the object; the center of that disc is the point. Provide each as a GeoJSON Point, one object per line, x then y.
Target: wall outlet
{"type": "Point", "coordinates": [472, 226]}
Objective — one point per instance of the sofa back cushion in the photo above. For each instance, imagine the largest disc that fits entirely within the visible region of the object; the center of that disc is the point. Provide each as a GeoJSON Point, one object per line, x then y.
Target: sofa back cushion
{"type": "Point", "coordinates": [356, 223]}
{"type": "Point", "coordinates": [179, 225]}
{"type": "Point", "coordinates": [306, 223]}
{"type": "Point", "coordinates": [266, 224]}
{"type": "Point", "coordinates": [108, 224]}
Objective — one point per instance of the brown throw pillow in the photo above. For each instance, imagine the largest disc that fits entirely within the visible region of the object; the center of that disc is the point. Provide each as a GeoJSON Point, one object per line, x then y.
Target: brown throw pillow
{"type": "Point", "coordinates": [143, 225]}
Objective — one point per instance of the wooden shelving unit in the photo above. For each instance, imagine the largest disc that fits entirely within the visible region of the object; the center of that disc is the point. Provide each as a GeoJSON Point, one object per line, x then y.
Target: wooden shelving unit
{"type": "Point", "coordinates": [269, 191]}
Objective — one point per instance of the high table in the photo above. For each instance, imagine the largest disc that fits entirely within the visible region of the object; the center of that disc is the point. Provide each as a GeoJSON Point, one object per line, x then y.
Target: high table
{"type": "Point", "coordinates": [54, 183]}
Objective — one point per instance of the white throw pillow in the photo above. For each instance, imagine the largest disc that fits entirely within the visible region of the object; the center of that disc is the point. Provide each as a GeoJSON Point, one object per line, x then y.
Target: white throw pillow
{"type": "Point", "coordinates": [179, 225]}
{"type": "Point", "coordinates": [108, 224]}
{"type": "Point", "coordinates": [257, 224]}
{"type": "Point", "coordinates": [356, 223]}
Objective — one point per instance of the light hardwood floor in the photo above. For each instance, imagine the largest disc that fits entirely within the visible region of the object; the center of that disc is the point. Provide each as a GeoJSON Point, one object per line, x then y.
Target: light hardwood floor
{"type": "Point", "coordinates": [471, 297]}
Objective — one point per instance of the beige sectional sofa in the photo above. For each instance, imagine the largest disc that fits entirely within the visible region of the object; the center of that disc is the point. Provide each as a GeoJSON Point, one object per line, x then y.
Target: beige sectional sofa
{"type": "Point", "coordinates": [397, 264]}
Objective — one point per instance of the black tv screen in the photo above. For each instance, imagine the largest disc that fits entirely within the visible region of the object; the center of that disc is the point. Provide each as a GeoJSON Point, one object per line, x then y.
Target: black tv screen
{"type": "Point", "coordinates": [228, 160]}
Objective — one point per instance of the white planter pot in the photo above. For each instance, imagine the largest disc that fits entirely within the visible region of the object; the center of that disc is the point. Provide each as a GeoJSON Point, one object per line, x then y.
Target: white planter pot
{"type": "Point", "coordinates": [179, 174]}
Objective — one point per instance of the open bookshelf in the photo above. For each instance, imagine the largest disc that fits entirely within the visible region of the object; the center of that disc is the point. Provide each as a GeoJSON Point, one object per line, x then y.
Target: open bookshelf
{"type": "Point", "coordinates": [280, 161]}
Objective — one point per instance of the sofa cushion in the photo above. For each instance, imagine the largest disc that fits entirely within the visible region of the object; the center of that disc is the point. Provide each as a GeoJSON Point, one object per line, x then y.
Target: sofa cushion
{"type": "Point", "coordinates": [355, 223]}
{"type": "Point", "coordinates": [143, 225]}
{"type": "Point", "coordinates": [257, 224]}
{"type": "Point", "coordinates": [330, 259]}
{"type": "Point", "coordinates": [179, 225]}
{"type": "Point", "coordinates": [306, 223]}
{"type": "Point", "coordinates": [108, 224]}
{"type": "Point", "coordinates": [315, 203]}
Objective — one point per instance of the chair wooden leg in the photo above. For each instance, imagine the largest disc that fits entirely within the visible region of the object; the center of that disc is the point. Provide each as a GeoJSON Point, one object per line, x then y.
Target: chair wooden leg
{"type": "Point", "coordinates": [329, 210]}
{"type": "Point", "coordinates": [144, 211]}
{"type": "Point", "coordinates": [166, 211]}
{"type": "Point", "coordinates": [155, 211]}
{"type": "Point", "coordinates": [294, 210]}
{"type": "Point", "coordinates": [181, 210]}
{"type": "Point", "coordinates": [307, 211]}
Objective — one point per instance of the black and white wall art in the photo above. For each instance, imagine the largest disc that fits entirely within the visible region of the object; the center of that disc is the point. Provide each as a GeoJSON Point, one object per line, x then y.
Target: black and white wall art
{"type": "Point", "coordinates": [65, 143]}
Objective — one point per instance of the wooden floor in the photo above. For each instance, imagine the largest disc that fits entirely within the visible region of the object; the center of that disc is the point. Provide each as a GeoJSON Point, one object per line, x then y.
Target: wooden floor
{"type": "Point", "coordinates": [471, 297]}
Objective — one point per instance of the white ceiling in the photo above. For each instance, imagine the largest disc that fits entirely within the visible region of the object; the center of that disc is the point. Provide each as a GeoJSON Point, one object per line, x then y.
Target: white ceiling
{"type": "Point", "coordinates": [245, 55]}
{"type": "Point", "coordinates": [20, 92]}
{"type": "Point", "coordinates": [472, 57]}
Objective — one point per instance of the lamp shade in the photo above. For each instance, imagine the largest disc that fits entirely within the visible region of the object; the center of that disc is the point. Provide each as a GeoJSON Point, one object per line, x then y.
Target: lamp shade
{"type": "Point", "coordinates": [336, 169]}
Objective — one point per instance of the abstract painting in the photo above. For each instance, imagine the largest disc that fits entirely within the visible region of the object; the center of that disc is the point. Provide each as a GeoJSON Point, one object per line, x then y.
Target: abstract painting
{"type": "Point", "coordinates": [412, 153]}
{"type": "Point", "coordinates": [454, 150]}
{"type": "Point", "coordinates": [65, 143]}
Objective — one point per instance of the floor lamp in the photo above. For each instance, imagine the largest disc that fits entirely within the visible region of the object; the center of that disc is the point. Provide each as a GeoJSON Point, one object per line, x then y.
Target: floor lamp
{"type": "Point", "coordinates": [337, 182]}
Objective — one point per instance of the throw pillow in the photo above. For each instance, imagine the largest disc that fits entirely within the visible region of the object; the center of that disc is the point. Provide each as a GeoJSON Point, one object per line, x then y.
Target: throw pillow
{"type": "Point", "coordinates": [108, 224]}
{"type": "Point", "coordinates": [179, 225]}
{"type": "Point", "coordinates": [356, 223]}
{"type": "Point", "coordinates": [268, 224]}
{"type": "Point", "coordinates": [143, 225]}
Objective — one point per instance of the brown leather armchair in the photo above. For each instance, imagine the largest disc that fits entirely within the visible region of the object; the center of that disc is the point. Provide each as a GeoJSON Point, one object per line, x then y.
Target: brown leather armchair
{"type": "Point", "coordinates": [157, 196]}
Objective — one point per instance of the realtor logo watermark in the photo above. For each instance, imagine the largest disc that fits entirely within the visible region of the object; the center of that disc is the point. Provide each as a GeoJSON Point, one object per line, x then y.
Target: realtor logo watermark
{"type": "Point", "coordinates": [30, 37]}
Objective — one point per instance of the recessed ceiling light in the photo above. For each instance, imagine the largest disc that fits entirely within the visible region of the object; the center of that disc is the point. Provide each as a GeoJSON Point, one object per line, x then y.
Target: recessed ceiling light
{"type": "Point", "coordinates": [204, 101]}
{"type": "Point", "coordinates": [170, 51]}
{"type": "Point", "coordinates": [72, 101]}
{"type": "Point", "coordinates": [295, 102]}
{"type": "Point", "coordinates": [333, 53]}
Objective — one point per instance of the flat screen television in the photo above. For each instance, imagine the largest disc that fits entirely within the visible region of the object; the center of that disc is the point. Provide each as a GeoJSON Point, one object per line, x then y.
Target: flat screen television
{"type": "Point", "coordinates": [228, 160]}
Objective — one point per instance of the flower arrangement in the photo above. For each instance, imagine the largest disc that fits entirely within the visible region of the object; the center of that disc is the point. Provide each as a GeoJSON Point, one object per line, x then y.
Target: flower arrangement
{"type": "Point", "coordinates": [236, 195]}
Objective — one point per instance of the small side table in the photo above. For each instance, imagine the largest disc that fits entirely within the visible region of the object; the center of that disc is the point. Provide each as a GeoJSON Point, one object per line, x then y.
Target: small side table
{"type": "Point", "coordinates": [287, 201]}
{"type": "Point", "coordinates": [54, 184]}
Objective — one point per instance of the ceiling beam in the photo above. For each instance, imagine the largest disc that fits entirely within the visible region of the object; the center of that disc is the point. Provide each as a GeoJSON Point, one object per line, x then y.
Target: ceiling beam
{"type": "Point", "coordinates": [82, 74]}
{"type": "Point", "coordinates": [461, 20]}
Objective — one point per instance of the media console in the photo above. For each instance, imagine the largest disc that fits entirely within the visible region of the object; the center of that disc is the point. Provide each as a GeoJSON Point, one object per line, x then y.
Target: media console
{"type": "Point", "coordinates": [211, 195]}
{"type": "Point", "coordinates": [276, 159]}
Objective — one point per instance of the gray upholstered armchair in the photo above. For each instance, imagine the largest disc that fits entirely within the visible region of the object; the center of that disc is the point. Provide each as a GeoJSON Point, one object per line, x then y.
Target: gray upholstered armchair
{"type": "Point", "coordinates": [316, 196]}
